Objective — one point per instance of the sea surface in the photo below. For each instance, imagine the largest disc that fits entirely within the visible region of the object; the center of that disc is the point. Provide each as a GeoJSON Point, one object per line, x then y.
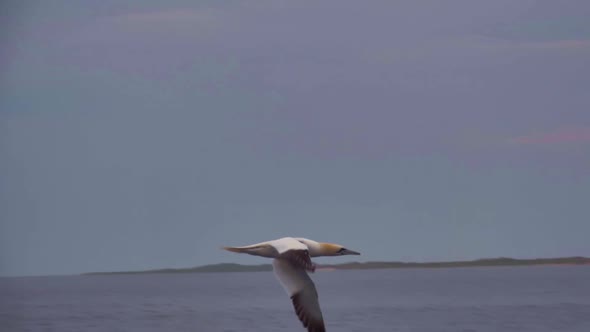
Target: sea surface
{"type": "Point", "coordinates": [539, 299]}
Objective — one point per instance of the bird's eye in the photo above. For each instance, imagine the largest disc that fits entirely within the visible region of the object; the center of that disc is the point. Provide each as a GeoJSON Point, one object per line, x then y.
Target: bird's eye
{"type": "Point", "coordinates": [341, 251]}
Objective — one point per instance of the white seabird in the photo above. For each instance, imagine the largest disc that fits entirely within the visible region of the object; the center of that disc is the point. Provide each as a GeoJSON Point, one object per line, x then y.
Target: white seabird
{"type": "Point", "coordinates": [292, 258]}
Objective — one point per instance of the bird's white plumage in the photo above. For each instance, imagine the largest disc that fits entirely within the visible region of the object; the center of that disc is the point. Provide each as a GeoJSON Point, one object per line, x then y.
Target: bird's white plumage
{"type": "Point", "coordinates": [287, 243]}
{"type": "Point", "coordinates": [313, 247]}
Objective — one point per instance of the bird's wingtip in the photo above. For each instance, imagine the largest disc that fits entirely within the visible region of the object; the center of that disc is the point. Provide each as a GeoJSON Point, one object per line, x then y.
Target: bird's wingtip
{"type": "Point", "coordinates": [232, 249]}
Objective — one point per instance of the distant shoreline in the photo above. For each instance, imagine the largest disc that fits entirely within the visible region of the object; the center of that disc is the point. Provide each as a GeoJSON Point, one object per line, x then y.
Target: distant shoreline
{"type": "Point", "coordinates": [502, 261]}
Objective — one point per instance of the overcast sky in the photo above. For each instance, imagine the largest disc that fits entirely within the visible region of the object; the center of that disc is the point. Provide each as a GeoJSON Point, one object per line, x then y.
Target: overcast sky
{"type": "Point", "coordinates": [138, 135]}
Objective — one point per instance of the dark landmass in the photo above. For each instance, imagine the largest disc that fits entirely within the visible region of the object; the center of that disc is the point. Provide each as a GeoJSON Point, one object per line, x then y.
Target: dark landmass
{"type": "Point", "coordinates": [231, 267]}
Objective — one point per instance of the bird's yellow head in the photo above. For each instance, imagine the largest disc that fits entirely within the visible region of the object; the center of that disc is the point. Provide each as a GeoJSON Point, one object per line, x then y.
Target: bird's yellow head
{"type": "Point", "coordinates": [332, 249]}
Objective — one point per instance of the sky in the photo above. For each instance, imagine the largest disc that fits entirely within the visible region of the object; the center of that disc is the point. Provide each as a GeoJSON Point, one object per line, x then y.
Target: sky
{"type": "Point", "coordinates": [140, 135]}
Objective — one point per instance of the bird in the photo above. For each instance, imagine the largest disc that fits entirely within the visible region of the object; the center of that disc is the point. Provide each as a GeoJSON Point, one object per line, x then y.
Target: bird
{"type": "Point", "coordinates": [291, 262]}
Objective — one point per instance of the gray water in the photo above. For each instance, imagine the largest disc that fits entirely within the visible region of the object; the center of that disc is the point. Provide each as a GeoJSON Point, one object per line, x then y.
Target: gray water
{"type": "Point", "coordinates": [536, 299]}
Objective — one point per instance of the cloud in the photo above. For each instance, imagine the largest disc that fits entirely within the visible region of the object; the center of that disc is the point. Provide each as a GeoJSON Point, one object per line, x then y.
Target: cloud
{"type": "Point", "coordinates": [485, 42]}
{"type": "Point", "coordinates": [565, 135]}
{"type": "Point", "coordinates": [555, 44]}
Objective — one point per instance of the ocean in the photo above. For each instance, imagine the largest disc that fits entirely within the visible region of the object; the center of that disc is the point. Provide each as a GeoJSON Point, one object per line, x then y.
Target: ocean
{"type": "Point", "coordinates": [539, 299]}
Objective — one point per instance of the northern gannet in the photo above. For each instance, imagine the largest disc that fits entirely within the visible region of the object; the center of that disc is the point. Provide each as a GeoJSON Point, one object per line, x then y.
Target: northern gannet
{"type": "Point", "coordinates": [292, 258]}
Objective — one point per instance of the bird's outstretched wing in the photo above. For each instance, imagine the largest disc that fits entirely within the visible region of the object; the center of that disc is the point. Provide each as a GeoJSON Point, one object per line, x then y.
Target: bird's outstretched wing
{"type": "Point", "coordinates": [287, 247]}
{"type": "Point", "coordinates": [302, 291]}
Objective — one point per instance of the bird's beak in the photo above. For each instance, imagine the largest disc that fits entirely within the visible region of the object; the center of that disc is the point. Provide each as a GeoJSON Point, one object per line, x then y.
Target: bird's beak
{"type": "Point", "coordinates": [350, 252]}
